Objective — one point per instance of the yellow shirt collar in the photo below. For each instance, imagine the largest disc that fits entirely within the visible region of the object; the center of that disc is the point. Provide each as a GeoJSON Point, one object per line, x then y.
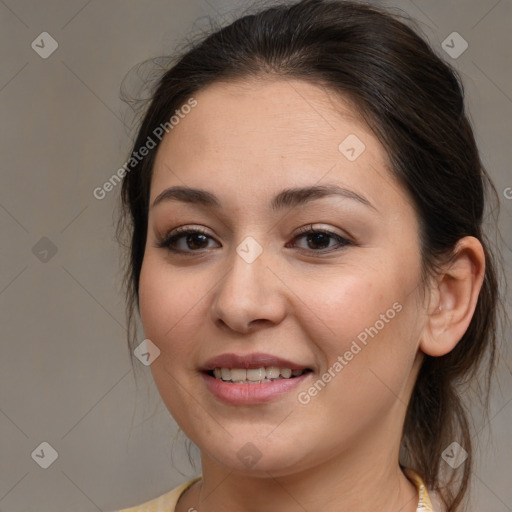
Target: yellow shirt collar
{"type": "Point", "coordinates": [424, 503]}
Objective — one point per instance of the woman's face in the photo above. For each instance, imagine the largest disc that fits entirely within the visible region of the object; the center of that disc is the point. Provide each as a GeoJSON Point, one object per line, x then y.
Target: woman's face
{"type": "Point", "coordinates": [253, 290]}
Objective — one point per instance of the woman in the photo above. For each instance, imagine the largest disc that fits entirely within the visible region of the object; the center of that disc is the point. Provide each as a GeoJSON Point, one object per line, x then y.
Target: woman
{"type": "Point", "coordinates": [304, 201]}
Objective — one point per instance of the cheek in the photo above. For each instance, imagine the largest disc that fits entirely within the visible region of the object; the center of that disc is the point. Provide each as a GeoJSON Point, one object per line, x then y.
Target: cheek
{"type": "Point", "coordinates": [167, 308]}
{"type": "Point", "coordinates": [362, 325]}
{"type": "Point", "coordinates": [168, 305]}
{"type": "Point", "coordinates": [155, 300]}
{"type": "Point", "coordinates": [345, 302]}
{"type": "Point", "coordinates": [367, 315]}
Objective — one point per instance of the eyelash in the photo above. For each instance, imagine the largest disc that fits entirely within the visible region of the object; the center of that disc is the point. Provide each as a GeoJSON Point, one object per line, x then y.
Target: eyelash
{"type": "Point", "coordinates": [172, 237]}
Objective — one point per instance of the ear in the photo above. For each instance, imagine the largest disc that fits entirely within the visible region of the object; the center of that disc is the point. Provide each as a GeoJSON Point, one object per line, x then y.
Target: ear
{"type": "Point", "coordinates": [453, 298]}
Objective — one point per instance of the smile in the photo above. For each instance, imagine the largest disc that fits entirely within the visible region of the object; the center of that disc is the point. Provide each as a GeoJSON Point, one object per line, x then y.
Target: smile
{"type": "Point", "coordinates": [255, 375]}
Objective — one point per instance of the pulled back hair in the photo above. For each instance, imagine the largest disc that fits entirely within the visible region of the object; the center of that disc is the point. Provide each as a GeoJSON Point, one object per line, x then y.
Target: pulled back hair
{"type": "Point", "coordinates": [414, 103]}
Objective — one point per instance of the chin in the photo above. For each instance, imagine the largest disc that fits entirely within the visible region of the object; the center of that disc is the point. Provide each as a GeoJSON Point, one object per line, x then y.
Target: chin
{"type": "Point", "coordinates": [256, 455]}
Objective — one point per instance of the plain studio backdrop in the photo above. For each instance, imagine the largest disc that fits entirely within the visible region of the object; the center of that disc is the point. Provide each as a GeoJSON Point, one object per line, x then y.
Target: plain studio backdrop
{"type": "Point", "coordinates": [66, 384]}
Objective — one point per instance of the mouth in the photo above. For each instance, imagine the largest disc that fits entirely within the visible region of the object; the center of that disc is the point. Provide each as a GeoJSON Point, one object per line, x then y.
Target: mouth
{"type": "Point", "coordinates": [252, 379]}
{"type": "Point", "coordinates": [259, 375]}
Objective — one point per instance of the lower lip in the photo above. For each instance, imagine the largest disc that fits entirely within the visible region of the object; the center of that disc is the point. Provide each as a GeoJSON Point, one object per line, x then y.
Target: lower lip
{"type": "Point", "coordinates": [247, 394]}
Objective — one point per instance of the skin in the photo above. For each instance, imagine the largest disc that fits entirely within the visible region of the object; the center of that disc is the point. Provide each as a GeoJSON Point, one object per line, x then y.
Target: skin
{"type": "Point", "coordinates": [245, 142]}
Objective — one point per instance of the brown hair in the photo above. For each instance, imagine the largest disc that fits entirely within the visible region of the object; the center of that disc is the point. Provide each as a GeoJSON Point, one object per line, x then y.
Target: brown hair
{"type": "Point", "coordinates": [414, 102]}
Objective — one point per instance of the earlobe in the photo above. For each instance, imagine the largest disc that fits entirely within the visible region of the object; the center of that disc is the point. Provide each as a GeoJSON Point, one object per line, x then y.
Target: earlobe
{"type": "Point", "coordinates": [454, 296]}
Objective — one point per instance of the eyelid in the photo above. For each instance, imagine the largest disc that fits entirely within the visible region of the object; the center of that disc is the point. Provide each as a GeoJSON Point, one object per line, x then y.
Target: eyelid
{"type": "Point", "coordinates": [316, 227]}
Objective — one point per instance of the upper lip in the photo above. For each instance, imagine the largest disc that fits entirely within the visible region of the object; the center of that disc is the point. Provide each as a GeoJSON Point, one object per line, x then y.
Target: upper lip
{"type": "Point", "coordinates": [255, 360]}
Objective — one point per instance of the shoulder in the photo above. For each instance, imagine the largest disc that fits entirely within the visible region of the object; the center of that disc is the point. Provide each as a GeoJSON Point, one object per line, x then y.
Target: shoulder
{"type": "Point", "coordinates": [164, 503]}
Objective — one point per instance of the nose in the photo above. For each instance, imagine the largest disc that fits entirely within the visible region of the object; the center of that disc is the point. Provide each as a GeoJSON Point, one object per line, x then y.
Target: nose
{"type": "Point", "coordinates": [249, 295]}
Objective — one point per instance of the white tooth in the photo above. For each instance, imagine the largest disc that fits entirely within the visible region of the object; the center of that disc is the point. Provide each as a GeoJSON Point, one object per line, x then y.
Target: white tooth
{"type": "Point", "coordinates": [217, 373]}
{"type": "Point", "coordinates": [296, 373]}
{"type": "Point", "coordinates": [255, 374]}
{"type": "Point", "coordinates": [226, 374]}
{"type": "Point", "coordinates": [272, 372]}
{"type": "Point", "coordinates": [238, 374]}
{"type": "Point", "coordinates": [286, 373]}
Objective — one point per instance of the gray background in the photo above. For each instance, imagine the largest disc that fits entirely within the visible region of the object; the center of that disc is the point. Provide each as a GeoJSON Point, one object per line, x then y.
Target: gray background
{"type": "Point", "coordinates": [65, 372]}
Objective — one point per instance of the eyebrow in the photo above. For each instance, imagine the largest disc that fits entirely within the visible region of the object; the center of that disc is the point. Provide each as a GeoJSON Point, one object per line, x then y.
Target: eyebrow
{"type": "Point", "coordinates": [287, 198]}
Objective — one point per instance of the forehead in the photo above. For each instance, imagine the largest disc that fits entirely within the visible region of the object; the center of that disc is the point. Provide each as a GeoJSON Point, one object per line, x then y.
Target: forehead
{"type": "Point", "coordinates": [251, 138]}
{"type": "Point", "coordinates": [236, 116]}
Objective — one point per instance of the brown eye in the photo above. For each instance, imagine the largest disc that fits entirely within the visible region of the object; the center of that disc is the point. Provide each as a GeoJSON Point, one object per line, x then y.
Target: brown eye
{"type": "Point", "coordinates": [196, 240]}
{"type": "Point", "coordinates": [318, 240]}
{"type": "Point", "coordinates": [321, 240]}
{"type": "Point", "coordinates": [183, 240]}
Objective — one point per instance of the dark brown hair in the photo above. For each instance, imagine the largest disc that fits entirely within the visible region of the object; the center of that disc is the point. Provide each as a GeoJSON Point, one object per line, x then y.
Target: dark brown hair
{"type": "Point", "coordinates": [414, 103]}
